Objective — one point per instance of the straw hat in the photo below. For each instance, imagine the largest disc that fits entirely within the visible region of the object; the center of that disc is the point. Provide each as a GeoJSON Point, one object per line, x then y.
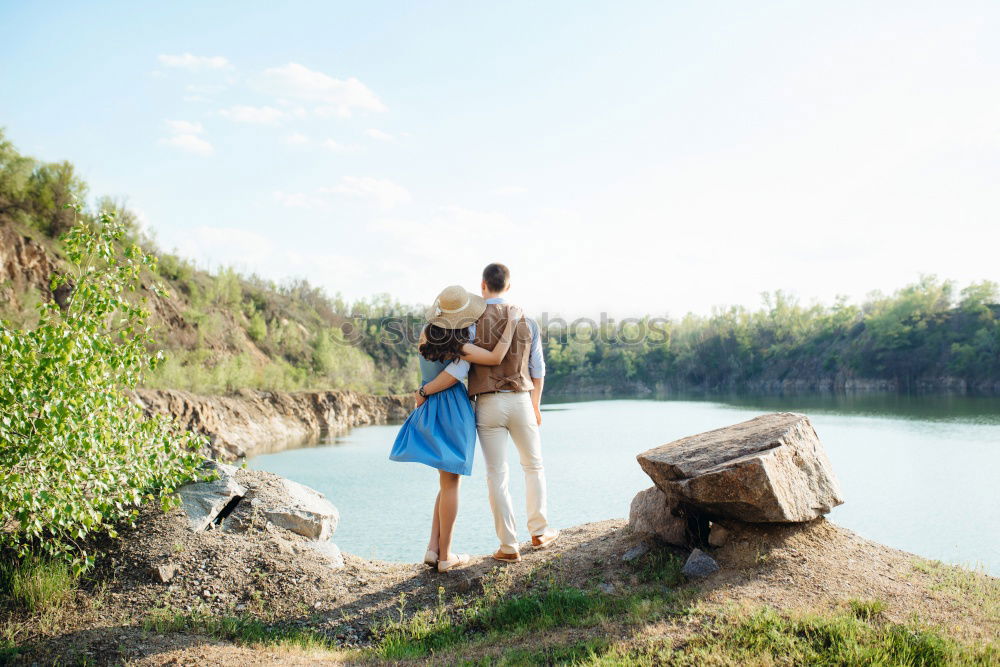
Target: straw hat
{"type": "Point", "coordinates": [454, 308]}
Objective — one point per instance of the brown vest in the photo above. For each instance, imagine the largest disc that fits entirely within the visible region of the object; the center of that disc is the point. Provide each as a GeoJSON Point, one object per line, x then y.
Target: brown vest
{"type": "Point", "coordinates": [512, 373]}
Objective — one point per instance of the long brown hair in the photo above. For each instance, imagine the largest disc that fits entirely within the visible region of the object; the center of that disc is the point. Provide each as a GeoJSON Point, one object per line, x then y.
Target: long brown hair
{"type": "Point", "coordinates": [440, 344]}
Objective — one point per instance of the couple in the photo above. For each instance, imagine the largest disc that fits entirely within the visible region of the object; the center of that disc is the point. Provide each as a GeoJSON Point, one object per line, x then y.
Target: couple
{"type": "Point", "coordinates": [487, 341]}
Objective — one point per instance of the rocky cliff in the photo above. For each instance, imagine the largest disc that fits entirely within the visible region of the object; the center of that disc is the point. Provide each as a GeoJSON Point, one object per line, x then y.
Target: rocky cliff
{"type": "Point", "coordinates": [251, 422]}
{"type": "Point", "coordinates": [24, 263]}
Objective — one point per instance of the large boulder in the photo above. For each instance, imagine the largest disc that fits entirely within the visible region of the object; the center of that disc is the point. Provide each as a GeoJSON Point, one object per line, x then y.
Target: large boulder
{"type": "Point", "coordinates": [769, 469]}
{"type": "Point", "coordinates": [299, 509]}
{"type": "Point", "coordinates": [652, 512]}
{"type": "Point", "coordinates": [203, 501]}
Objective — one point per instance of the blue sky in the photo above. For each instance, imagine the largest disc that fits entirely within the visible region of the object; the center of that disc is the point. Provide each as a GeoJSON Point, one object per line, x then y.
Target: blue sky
{"type": "Point", "coordinates": [630, 157]}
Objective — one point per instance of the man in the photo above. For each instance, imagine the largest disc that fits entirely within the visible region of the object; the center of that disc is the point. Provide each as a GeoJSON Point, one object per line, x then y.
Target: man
{"type": "Point", "coordinates": [508, 401]}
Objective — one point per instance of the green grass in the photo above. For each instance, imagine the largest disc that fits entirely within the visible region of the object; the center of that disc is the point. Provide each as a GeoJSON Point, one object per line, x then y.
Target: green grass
{"type": "Point", "coordinates": [964, 584]}
{"type": "Point", "coordinates": [8, 651]}
{"type": "Point", "coordinates": [768, 638]}
{"type": "Point", "coordinates": [37, 584]}
{"type": "Point", "coordinates": [492, 617]}
{"type": "Point", "coordinates": [867, 610]}
{"type": "Point", "coordinates": [578, 652]}
{"type": "Point", "coordinates": [523, 624]}
{"type": "Point", "coordinates": [659, 565]}
{"type": "Point", "coordinates": [839, 639]}
{"type": "Point", "coordinates": [239, 629]}
{"type": "Point", "coordinates": [40, 586]}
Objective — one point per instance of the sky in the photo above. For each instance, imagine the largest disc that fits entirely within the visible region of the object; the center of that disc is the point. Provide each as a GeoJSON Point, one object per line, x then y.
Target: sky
{"type": "Point", "coordinates": [627, 157]}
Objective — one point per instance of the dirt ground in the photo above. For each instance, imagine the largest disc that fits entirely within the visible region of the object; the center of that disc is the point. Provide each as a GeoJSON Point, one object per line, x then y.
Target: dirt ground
{"type": "Point", "coordinates": [267, 573]}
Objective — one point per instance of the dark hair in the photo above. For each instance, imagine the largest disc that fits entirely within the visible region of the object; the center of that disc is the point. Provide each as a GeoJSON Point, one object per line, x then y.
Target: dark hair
{"type": "Point", "coordinates": [442, 344]}
{"type": "Point", "coordinates": [497, 277]}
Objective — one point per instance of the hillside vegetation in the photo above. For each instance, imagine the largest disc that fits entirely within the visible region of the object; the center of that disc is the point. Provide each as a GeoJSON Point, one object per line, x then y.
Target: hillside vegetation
{"type": "Point", "coordinates": [223, 331]}
{"type": "Point", "coordinates": [928, 335]}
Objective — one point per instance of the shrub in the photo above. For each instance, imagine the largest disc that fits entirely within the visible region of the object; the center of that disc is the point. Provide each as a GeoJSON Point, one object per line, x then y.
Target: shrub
{"type": "Point", "coordinates": [76, 454]}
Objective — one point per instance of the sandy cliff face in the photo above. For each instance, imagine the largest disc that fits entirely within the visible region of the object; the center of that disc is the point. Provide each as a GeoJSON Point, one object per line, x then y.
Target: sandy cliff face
{"type": "Point", "coordinates": [23, 263]}
{"type": "Point", "coordinates": [252, 422]}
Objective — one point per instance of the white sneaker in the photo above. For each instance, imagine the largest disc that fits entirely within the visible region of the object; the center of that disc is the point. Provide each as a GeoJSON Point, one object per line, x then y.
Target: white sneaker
{"type": "Point", "coordinates": [460, 560]}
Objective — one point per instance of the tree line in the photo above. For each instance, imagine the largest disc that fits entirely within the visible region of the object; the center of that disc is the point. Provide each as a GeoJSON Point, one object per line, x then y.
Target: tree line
{"type": "Point", "coordinates": [923, 333]}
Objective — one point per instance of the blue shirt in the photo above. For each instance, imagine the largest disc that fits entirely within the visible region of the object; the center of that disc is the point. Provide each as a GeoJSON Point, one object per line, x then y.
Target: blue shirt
{"type": "Point", "coordinates": [536, 361]}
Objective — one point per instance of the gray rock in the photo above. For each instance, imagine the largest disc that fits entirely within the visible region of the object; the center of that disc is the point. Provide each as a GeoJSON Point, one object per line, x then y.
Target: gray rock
{"type": "Point", "coordinates": [607, 588]}
{"type": "Point", "coordinates": [330, 552]}
{"type": "Point", "coordinates": [651, 512]}
{"type": "Point", "coordinates": [769, 469]}
{"type": "Point", "coordinates": [302, 510]}
{"type": "Point", "coordinates": [636, 552]}
{"type": "Point", "coordinates": [699, 564]}
{"type": "Point", "coordinates": [718, 535]}
{"type": "Point", "coordinates": [202, 501]}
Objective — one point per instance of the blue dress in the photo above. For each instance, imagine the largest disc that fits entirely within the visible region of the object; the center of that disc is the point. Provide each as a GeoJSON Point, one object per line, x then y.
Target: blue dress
{"type": "Point", "coordinates": [440, 433]}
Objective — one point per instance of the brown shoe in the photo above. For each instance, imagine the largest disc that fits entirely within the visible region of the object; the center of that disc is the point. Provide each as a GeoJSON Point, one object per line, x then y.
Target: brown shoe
{"type": "Point", "coordinates": [542, 541]}
{"type": "Point", "coordinates": [505, 557]}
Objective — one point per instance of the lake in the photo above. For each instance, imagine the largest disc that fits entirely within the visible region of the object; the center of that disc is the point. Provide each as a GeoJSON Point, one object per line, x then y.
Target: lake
{"type": "Point", "coordinates": [920, 473]}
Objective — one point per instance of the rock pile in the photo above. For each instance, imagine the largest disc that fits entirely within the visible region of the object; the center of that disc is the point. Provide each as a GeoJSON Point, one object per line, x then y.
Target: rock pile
{"type": "Point", "coordinates": [771, 469]}
{"type": "Point", "coordinates": [233, 506]}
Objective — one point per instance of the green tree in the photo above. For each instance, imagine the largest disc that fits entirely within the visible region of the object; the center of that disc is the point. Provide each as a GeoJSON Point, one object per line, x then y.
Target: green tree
{"type": "Point", "coordinates": [77, 455]}
{"type": "Point", "coordinates": [15, 170]}
{"type": "Point", "coordinates": [52, 189]}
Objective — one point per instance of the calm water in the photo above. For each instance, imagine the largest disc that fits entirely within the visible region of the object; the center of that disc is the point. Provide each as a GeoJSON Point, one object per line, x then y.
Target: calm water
{"type": "Point", "coordinates": [919, 473]}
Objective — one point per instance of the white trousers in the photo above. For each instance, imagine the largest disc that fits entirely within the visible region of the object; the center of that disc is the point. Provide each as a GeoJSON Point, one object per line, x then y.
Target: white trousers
{"type": "Point", "coordinates": [497, 415]}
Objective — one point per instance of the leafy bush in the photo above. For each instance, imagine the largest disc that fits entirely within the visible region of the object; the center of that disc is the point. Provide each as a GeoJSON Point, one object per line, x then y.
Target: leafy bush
{"type": "Point", "coordinates": [77, 455]}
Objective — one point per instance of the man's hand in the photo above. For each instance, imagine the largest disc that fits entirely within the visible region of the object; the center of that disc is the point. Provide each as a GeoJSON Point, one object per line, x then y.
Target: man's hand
{"type": "Point", "coordinates": [420, 399]}
{"type": "Point", "coordinates": [536, 398]}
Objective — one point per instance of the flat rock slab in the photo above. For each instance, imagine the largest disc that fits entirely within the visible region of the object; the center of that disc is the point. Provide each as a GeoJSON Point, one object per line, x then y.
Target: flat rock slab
{"type": "Point", "coordinates": [202, 501]}
{"type": "Point", "coordinates": [769, 469]}
{"type": "Point", "coordinates": [301, 510]}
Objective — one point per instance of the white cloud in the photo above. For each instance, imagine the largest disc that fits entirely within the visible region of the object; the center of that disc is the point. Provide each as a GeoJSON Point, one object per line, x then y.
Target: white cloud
{"type": "Point", "coordinates": [275, 257]}
{"type": "Point", "coordinates": [384, 193]}
{"type": "Point", "coordinates": [296, 139]}
{"type": "Point", "coordinates": [193, 62]}
{"type": "Point", "coordinates": [299, 200]}
{"type": "Point", "coordinates": [464, 218]}
{"type": "Point", "coordinates": [220, 246]}
{"type": "Point", "coordinates": [510, 190]}
{"type": "Point", "coordinates": [189, 143]}
{"type": "Point", "coordinates": [185, 127]}
{"type": "Point", "coordinates": [334, 146]}
{"type": "Point", "coordinates": [205, 88]}
{"type": "Point", "coordinates": [333, 96]}
{"type": "Point", "coordinates": [379, 134]}
{"type": "Point", "coordinates": [256, 115]}
{"type": "Point", "coordinates": [185, 137]}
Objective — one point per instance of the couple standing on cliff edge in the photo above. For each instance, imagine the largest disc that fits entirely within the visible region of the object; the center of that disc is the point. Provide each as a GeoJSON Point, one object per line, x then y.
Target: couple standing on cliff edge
{"type": "Point", "coordinates": [489, 342]}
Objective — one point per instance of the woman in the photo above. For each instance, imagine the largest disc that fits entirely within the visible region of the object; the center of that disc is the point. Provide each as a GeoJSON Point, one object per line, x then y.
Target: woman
{"type": "Point", "coordinates": [441, 432]}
